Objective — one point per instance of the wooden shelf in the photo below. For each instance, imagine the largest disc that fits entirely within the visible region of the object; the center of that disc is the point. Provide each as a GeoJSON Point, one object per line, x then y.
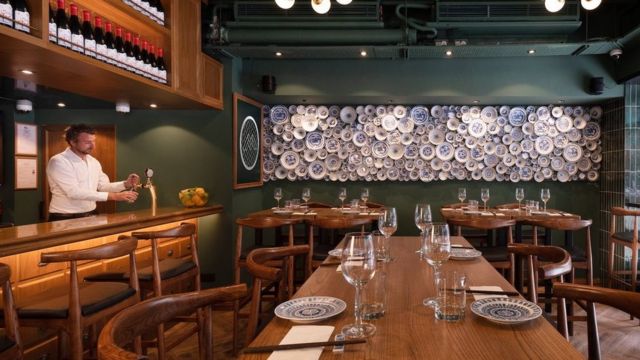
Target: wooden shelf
{"type": "Point", "coordinates": [124, 15]}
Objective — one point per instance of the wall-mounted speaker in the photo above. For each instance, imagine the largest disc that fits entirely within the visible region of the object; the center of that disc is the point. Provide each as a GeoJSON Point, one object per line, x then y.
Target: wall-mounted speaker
{"type": "Point", "coordinates": [268, 84]}
{"type": "Point", "coordinates": [596, 85]}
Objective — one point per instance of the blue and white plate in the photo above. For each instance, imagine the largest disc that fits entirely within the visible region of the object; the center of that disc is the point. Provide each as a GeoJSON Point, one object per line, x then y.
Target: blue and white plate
{"type": "Point", "coordinates": [315, 140]}
{"type": "Point", "coordinates": [279, 114]}
{"type": "Point", "coordinates": [420, 115]}
{"type": "Point", "coordinates": [517, 116]}
{"type": "Point", "coordinates": [308, 310]}
{"type": "Point", "coordinates": [591, 131]}
{"type": "Point", "coordinates": [506, 310]}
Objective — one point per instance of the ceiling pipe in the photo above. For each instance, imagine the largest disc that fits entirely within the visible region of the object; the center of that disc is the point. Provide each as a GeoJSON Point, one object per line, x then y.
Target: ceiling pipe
{"type": "Point", "coordinates": [413, 23]}
{"type": "Point", "coordinates": [319, 37]}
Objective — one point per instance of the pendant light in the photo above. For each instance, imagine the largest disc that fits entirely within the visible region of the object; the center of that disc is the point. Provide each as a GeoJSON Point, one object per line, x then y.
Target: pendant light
{"type": "Point", "coordinates": [321, 6]}
{"type": "Point", "coordinates": [285, 4]}
{"type": "Point", "coordinates": [344, 2]}
{"type": "Point", "coordinates": [590, 4]}
{"type": "Point", "coordinates": [553, 5]}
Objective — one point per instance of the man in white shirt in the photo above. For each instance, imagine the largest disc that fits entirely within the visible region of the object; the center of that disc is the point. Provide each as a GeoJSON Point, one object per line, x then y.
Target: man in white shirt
{"type": "Point", "coordinates": [76, 179]}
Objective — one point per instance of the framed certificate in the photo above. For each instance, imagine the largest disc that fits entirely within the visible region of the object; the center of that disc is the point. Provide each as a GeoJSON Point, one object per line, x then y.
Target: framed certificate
{"type": "Point", "coordinates": [26, 173]}
{"type": "Point", "coordinates": [26, 139]}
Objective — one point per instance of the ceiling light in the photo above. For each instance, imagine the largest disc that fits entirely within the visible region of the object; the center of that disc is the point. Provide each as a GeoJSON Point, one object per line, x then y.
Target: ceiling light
{"type": "Point", "coordinates": [590, 4]}
{"type": "Point", "coordinates": [344, 2]}
{"type": "Point", "coordinates": [278, 53]}
{"type": "Point", "coordinates": [531, 51]}
{"type": "Point", "coordinates": [153, 106]}
{"type": "Point", "coordinates": [285, 4]}
{"type": "Point", "coordinates": [476, 101]}
{"type": "Point", "coordinates": [123, 107]}
{"type": "Point", "coordinates": [554, 5]}
{"type": "Point", "coordinates": [26, 72]}
{"type": "Point", "coordinates": [61, 105]}
{"type": "Point", "coordinates": [363, 53]}
{"type": "Point", "coordinates": [449, 53]}
{"type": "Point", "coordinates": [321, 6]}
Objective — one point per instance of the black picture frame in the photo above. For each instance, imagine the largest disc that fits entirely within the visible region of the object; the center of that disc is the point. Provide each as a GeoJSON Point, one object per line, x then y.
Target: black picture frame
{"type": "Point", "coordinates": [247, 142]}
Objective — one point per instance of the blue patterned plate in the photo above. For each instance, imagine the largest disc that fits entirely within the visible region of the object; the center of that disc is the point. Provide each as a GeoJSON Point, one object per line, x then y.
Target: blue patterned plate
{"type": "Point", "coordinates": [506, 310]}
{"type": "Point", "coordinates": [310, 309]}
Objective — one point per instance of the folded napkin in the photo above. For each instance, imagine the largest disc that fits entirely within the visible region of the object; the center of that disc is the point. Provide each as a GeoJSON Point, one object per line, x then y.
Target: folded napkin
{"type": "Point", "coordinates": [305, 213]}
{"type": "Point", "coordinates": [554, 214]}
{"type": "Point", "coordinates": [303, 334]}
{"type": "Point", "coordinates": [484, 213]}
{"type": "Point", "coordinates": [486, 288]}
{"type": "Point", "coordinates": [499, 214]}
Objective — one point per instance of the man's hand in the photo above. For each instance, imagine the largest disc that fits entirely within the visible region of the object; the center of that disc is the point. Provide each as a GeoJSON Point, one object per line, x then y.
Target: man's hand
{"type": "Point", "coordinates": [132, 181]}
{"type": "Point", "coordinates": [129, 196]}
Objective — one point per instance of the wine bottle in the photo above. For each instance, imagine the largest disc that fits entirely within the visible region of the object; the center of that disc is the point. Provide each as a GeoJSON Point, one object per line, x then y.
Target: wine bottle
{"type": "Point", "coordinates": [128, 50]}
{"type": "Point", "coordinates": [62, 25]}
{"type": "Point", "coordinates": [137, 55]}
{"type": "Point", "coordinates": [152, 63]}
{"type": "Point", "coordinates": [144, 54]}
{"type": "Point", "coordinates": [77, 41]}
{"type": "Point", "coordinates": [162, 69]}
{"type": "Point", "coordinates": [21, 16]}
{"type": "Point", "coordinates": [87, 34]}
{"type": "Point", "coordinates": [6, 13]}
{"type": "Point", "coordinates": [53, 28]}
{"type": "Point", "coordinates": [98, 36]}
{"type": "Point", "coordinates": [121, 57]}
{"type": "Point", "coordinates": [110, 42]}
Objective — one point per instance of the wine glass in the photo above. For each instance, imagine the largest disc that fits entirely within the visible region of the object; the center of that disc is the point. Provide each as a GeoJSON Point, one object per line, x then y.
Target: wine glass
{"type": "Point", "coordinates": [358, 265]}
{"type": "Point", "coordinates": [519, 196]}
{"type": "Point", "coordinates": [364, 196]}
{"type": "Point", "coordinates": [388, 224]}
{"type": "Point", "coordinates": [484, 195]}
{"type": "Point", "coordinates": [422, 218]}
{"type": "Point", "coordinates": [545, 195]}
{"type": "Point", "coordinates": [277, 194]}
{"type": "Point", "coordinates": [342, 195]}
{"type": "Point", "coordinates": [462, 194]}
{"type": "Point", "coordinates": [306, 196]}
{"type": "Point", "coordinates": [436, 247]}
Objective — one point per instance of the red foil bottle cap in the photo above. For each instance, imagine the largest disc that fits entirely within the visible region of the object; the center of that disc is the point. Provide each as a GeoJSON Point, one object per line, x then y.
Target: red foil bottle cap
{"type": "Point", "coordinates": [109, 27]}
{"type": "Point", "coordinates": [128, 36]}
{"type": "Point", "coordinates": [136, 40]}
{"type": "Point", "coordinates": [86, 15]}
{"type": "Point", "coordinates": [152, 48]}
{"type": "Point", "coordinates": [160, 52]}
{"type": "Point", "coordinates": [118, 31]}
{"type": "Point", "coordinates": [98, 21]}
{"type": "Point", "coordinates": [145, 44]}
{"type": "Point", "coordinates": [74, 9]}
{"type": "Point", "coordinates": [60, 4]}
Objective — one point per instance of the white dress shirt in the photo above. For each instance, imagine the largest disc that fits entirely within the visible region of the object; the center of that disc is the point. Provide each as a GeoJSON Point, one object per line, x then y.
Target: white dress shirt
{"type": "Point", "coordinates": [77, 184]}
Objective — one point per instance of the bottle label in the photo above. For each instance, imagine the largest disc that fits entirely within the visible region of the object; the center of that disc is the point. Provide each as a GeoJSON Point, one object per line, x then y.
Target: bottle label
{"type": "Point", "coordinates": [147, 70]}
{"type": "Point", "coordinates": [90, 47]}
{"type": "Point", "coordinates": [77, 42]}
{"type": "Point", "coordinates": [155, 74]}
{"type": "Point", "coordinates": [101, 52]}
{"type": "Point", "coordinates": [22, 21]}
{"type": "Point", "coordinates": [140, 67]}
{"type": "Point", "coordinates": [162, 74]}
{"type": "Point", "coordinates": [53, 30]}
{"type": "Point", "coordinates": [6, 14]}
{"type": "Point", "coordinates": [131, 63]}
{"type": "Point", "coordinates": [64, 37]}
{"type": "Point", "coordinates": [121, 59]}
{"type": "Point", "coordinates": [161, 16]}
{"type": "Point", "coordinates": [112, 55]}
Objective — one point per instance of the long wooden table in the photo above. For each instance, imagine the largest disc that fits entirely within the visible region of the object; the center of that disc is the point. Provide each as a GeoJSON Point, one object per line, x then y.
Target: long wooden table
{"type": "Point", "coordinates": [409, 330]}
{"type": "Point", "coordinates": [311, 213]}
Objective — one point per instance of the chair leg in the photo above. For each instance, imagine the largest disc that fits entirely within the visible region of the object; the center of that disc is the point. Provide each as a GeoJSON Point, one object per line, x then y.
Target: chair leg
{"type": "Point", "coordinates": [76, 345]}
{"type": "Point", "coordinates": [610, 262]}
{"type": "Point", "coordinates": [160, 342]}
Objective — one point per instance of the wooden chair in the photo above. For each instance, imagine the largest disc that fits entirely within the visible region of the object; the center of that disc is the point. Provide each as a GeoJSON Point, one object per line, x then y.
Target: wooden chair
{"type": "Point", "coordinates": [623, 300]}
{"type": "Point", "coordinates": [498, 256]}
{"type": "Point", "coordinates": [259, 263]}
{"type": "Point", "coordinates": [627, 239]}
{"type": "Point", "coordinates": [10, 342]}
{"type": "Point", "coordinates": [164, 274]}
{"type": "Point", "coordinates": [84, 305]}
{"type": "Point", "coordinates": [149, 314]}
{"type": "Point", "coordinates": [320, 250]}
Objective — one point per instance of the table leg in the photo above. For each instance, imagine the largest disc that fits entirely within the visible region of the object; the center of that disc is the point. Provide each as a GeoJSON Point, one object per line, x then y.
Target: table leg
{"type": "Point", "coordinates": [518, 270]}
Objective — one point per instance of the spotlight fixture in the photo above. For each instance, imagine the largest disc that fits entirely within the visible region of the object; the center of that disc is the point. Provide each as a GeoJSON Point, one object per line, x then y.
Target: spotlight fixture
{"type": "Point", "coordinates": [590, 4]}
{"type": "Point", "coordinates": [448, 53]}
{"type": "Point", "coordinates": [557, 5]}
{"type": "Point", "coordinates": [319, 6]}
{"type": "Point", "coordinates": [61, 105]}
{"type": "Point", "coordinates": [153, 105]}
{"type": "Point", "coordinates": [363, 53]}
{"type": "Point", "coordinates": [278, 53]}
{"type": "Point", "coordinates": [531, 51]}
{"type": "Point", "coordinates": [26, 72]}
{"type": "Point", "coordinates": [285, 4]}
{"type": "Point", "coordinates": [123, 107]}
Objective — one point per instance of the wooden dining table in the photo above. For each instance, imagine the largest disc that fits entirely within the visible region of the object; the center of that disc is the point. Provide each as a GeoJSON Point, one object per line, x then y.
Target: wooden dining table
{"type": "Point", "coordinates": [409, 330]}
{"type": "Point", "coordinates": [311, 213]}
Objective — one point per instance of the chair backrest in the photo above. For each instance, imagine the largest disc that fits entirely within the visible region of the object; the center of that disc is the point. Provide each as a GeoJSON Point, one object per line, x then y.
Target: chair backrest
{"type": "Point", "coordinates": [146, 315]}
{"type": "Point", "coordinates": [266, 222]}
{"type": "Point", "coordinates": [339, 222]}
{"type": "Point", "coordinates": [10, 316]}
{"type": "Point", "coordinates": [556, 263]}
{"type": "Point", "coordinates": [482, 223]}
{"type": "Point", "coordinates": [184, 229]}
{"type": "Point", "coordinates": [619, 211]}
{"type": "Point", "coordinates": [260, 263]}
{"type": "Point", "coordinates": [560, 223]}
{"type": "Point", "coordinates": [626, 301]}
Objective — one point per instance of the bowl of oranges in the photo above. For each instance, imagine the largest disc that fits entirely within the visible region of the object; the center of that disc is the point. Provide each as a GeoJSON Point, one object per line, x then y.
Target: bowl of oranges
{"type": "Point", "coordinates": [193, 197]}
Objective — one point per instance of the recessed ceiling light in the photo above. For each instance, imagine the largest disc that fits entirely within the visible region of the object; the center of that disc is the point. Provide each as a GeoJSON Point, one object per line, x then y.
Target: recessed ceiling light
{"type": "Point", "coordinates": [531, 51]}
{"type": "Point", "coordinates": [61, 105]}
{"type": "Point", "coordinates": [26, 72]}
{"type": "Point", "coordinates": [153, 105]}
{"type": "Point", "coordinates": [449, 53]}
{"type": "Point", "coordinates": [278, 53]}
{"type": "Point", "coordinates": [363, 53]}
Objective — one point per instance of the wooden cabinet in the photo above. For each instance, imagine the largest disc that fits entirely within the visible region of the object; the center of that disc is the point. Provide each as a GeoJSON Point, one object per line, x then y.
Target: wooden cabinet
{"type": "Point", "coordinates": [192, 78]}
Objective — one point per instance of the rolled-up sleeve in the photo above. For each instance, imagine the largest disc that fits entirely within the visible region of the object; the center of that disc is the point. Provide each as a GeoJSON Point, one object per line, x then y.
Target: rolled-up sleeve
{"type": "Point", "coordinates": [63, 179]}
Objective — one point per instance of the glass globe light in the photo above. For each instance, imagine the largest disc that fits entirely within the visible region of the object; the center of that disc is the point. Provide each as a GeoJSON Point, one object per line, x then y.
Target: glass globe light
{"type": "Point", "coordinates": [590, 4]}
{"type": "Point", "coordinates": [321, 6]}
{"type": "Point", "coordinates": [285, 4]}
{"type": "Point", "coordinates": [554, 5]}
{"type": "Point", "coordinates": [344, 2]}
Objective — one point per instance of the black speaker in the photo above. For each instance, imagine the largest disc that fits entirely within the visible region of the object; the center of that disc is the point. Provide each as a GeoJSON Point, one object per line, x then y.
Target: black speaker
{"type": "Point", "coordinates": [268, 84]}
{"type": "Point", "coordinates": [596, 85]}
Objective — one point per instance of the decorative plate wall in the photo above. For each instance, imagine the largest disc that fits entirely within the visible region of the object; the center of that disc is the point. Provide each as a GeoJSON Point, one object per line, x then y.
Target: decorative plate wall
{"type": "Point", "coordinates": [422, 143]}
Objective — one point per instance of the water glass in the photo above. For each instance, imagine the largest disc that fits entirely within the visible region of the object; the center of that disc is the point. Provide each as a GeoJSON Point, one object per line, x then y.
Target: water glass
{"type": "Point", "coordinates": [354, 204]}
{"type": "Point", "coordinates": [277, 194]}
{"type": "Point", "coordinates": [451, 299]}
{"type": "Point", "coordinates": [545, 195]}
{"type": "Point", "coordinates": [388, 223]}
{"type": "Point", "coordinates": [462, 194]}
{"type": "Point", "coordinates": [288, 205]}
{"type": "Point", "coordinates": [473, 205]}
{"type": "Point", "coordinates": [374, 295]}
{"type": "Point", "coordinates": [342, 196]}
{"type": "Point", "coordinates": [484, 196]}
{"type": "Point", "coordinates": [519, 196]}
{"type": "Point", "coordinates": [381, 245]}
{"type": "Point", "coordinates": [422, 216]}
{"type": "Point", "coordinates": [437, 244]}
{"type": "Point", "coordinates": [364, 196]}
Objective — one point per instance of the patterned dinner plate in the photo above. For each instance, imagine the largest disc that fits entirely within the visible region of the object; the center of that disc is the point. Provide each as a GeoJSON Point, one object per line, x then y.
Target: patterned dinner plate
{"type": "Point", "coordinates": [307, 310]}
{"type": "Point", "coordinates": [464, 254]}
{"type": "Point", "coordinates": [335, 253]}
{"type": "Point", "coordinates": [506, 310]}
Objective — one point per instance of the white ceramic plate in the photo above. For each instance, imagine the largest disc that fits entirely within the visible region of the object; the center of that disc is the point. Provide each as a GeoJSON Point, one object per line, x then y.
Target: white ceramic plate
{"type": "Point", "coordinates": [282, 211]}
{"type": "Point", "coordinates": [335, 253]}
{"type": "Point", "coordinates": [506, 310]}
{"type": "Point", "coordinates": [389, 122]}
{"type": "Point", "coordinates": [464, 254]}
{"type": "Point", "coordinates": [348, 114]}
{"type": "Point", "coordinates": [477, 128]}
{"type": "Point", "coordinates": [310, 309]}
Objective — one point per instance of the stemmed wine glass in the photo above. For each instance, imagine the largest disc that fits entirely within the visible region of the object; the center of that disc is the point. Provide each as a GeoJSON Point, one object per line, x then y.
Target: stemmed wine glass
{"type": "Point", "coordinates": [462, 194]}
{"type": "Point", "coordinates": [306, 196]}
{"type": "Point", "coordinates": [342, 195]}
{"type": "Point", "coordinates": [437, 249]}
{"type": "Point", "coordinates": [484, 195]}
{"type": "Point", "coordinates": [545, 195]}
{"type": "Point", "coordinates": [364, 196]}
{"type": "Point", "coordinates": [277, 194]}
{"type": "Point", "coordinates": [422, 218]}
{"type": "Point", "coordinates": [519, 196]}
{"type": "Point", "coordinates": [388, 224]}
{"type": "Point", "coordinates": [358, 264]}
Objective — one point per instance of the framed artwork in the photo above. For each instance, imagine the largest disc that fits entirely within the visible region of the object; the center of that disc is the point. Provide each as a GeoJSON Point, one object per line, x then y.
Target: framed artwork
{"type": "Point", "coordinates": [247, 142]}
{"type": "Point", "coordinates": [26, 139]}
{"type": "Point", "coordinates": [26, 173]}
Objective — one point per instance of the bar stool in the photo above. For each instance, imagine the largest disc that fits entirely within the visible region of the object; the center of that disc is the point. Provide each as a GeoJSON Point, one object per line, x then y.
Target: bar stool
{"type": "Point", "coordinates": [10, 342]}
{"type": "Point", "coordinates": [627, 239]}
{"type": "Point", "coordinates": [498, 256]}
{"type": "Point", "coordinates": [260, 265]}
{"type": "Point", "coordinates": [84, 305]}
{"type": "Point", "coordinates": [135, 320]}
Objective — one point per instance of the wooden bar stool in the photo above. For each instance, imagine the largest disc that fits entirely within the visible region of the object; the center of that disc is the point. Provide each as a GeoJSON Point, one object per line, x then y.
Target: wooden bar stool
{"type": "Point", "coordinates": [260, 265]}
{"type": "Point", "coordinates": [319, 250]}
{"type": "Point", "coordinates": [87, 304]}
{"type": "Point", "coordinates": [137, 319]}
{"type": "Point", "coordinates": [627, 239]}
{"type": "Point", "coordinates": [498, 255]}
{"type": "Point", "coordinates": [10, 342]}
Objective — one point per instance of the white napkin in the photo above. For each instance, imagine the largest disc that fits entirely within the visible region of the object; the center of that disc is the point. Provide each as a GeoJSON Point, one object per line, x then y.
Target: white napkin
{"type": "Point", "coordinates": [554, 214]}
{"type": "Point", "coordinates": [302, 334]}
{"type": "Point", "coordinates": [305, 213]}
{"type": "Point", "coordinates": [486, 214]}
{"type": "Point", "coordinates": [486, 288]}
{"type": "Point", "coordinates": [500, 214]}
